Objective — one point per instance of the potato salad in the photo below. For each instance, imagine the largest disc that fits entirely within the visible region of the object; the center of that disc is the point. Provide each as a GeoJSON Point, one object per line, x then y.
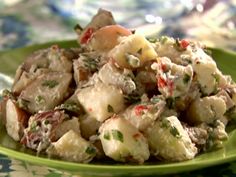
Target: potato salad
{"type": "Point", "coordinates": [120, 96]}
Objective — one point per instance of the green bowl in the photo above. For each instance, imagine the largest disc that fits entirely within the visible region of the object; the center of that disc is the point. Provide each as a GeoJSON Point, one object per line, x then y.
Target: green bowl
{"type": "Point", "coordinates": [9, 60]}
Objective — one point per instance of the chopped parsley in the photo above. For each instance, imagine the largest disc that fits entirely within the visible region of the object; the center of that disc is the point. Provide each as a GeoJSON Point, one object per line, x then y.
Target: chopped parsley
{"type": "Point", "coordinates": [177, 45]}
{"type": "Point", "coordinates": [46, 122]}
{"type": "Point", "coordinates": [70, 106]}
{"type": "Point", "coordinates": [33, 126]}
{"type": "Point", "coordinates": [78, 28]}
{"type": "Point", "coordinates": [186, 78]}
{"type": "Point", "coordinates": [110, 109]}
{"type": "Point", "coordinates": [174, 131]}
{"type": "Point", "coordinates": [50, 83]}
{"type": "Point", "coordinates": [117, 135]}
{"type": "Point", "coordinates": [132, 60]}
{"type": "Point", "coordinates": [140, 51]}
{"type": "Point", "coordinates": [155, 100]}
{"type": "Point", "coordinates": [163, 39]}
{"type": "Point", "coordinates": [91, 63]}
{"type": "Point", "coordinates": [107, 136]}
{"type": "Point", "coordinates": [132, 98]}
{"type": "Point", "coordinates": [164, 123]}
{"type": "Point", "coordinates": [39, 99]}
{"type": "Point", "coordinates": [90, 150]}
{"type": "Point", "coordinates": [170, 102]}
{"type": "Point", "coordinates": [152, 40]}
{"type": "Point", "coordinates": [7, 93]}
{"type": "Point", "coordinates": [23, 103]}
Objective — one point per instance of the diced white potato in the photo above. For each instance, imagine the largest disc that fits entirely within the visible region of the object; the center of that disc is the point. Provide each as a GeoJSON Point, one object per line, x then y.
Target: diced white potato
{"type": "Point", "coordinates": [147, 79]}
{"type": "Point", "coordinates": [173, 80]}
{"type": "Point", "coordinates": [206, 109]}
{"type": "Point", "coordinates": [45, 92]}
{"type": "Point", "coordinates": [109, 74]}
{"type": "Point", "coordinates": [101, 100]}
{"type": "Point", "coordinates": [132, 52]}
{"type": "Point", "coordinates": [165, 48]}
{"type": "Point", "coordinates": [143, 115]}
{"type": "Point", "coordinates": [81, 74]}
{"type": "Point", "coordinates": [225, 96]}
{"type": "Point", "coordinates": [207, 75]}
{"type": "Point", "coordinates": [72, 147]}
{"type": "Point", "coordinates": [16, 120]}
{"type": "Point", "coordinates": [25, 79]}
{"type": "Point", "coordinates": [178, 54]}
{"type": "Point", "coordinates": [58, 60]}
{"type": "Point", "coordinates": [168, 140]}
{"type": "Point", "coordinates": [65, 126]}
{"type": "Point", "coordinates": [123, 142]}
{"type": "Point", "coordinates": [88, 126]}
{"type": "Point", "coordinates": [86, 65]}
{"type": "Point", "coordinates": [219, 131]}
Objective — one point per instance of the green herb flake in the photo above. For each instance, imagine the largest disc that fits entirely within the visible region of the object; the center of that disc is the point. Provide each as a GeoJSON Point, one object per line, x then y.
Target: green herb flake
{"type": "Point", "coordinates": [39, 99]}
{"type": "Point", "coordinates": [207, 51]}
{"type": "Point", "coordinates": [78, 28]}
{"type": "Point", "coordinates": [90, 150]}
{"type": "Point", "coordinates": [216, 77]}
{"type": "Point", "coordinates": [152, 40]}
{"type": "Point", "coordinates": [177, 46]}
{"type": "Point", "coordinates": [107, 136]}
{"type": "Point", "coordinates": [163, 39]}
{"type": "Point", "coordinates": [70, 106]}
{"type": "Point", "coordinates": [117, 135]}
{"type": "Point", "coordinates": [46, 122]}
{"type": "Point", "coordinates": [110, 109]}
{"type": "Point", "coordinates": [33, 126]}
{"type": "Point", "coordinates": [140, 51]}
{"type": "Point", "coordinates": [164, 123]}
{"type": "Point", "coordinates": [7, 93]}
{"type": "Point", "coordinates": [23, 103]}
{"type": "Point", "coordinates": [50, 83]}
{"type": "Point", "coordinates": [132, 60]}
{"type": "Point", "coordinates": [132, 98]}
{"type": "Point", "coordinates": [170, 102]}
{"type": "Point", "coordinates": [90, 62]}
{"type": "Point", "coordinates": [186, 78]}
{"type": "Point", "coordinates": [155, 100]}
{"type": "Point", "coordinates": [174, 131]}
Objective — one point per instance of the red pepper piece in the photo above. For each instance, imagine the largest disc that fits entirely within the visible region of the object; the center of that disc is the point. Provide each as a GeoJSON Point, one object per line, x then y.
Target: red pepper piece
{"type": "Point", "coordinates": [161, 82]}
{"type": "Point", "coordinates": [184, 43]}
{"type": "Point", "coordinates": [87, 36]}
{"type": "Point", "coordinates": [139, 109]}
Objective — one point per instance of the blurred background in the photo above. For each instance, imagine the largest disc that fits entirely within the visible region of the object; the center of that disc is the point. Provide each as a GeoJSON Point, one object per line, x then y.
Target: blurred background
{"type": "Point", "coordinates": [25, 22]}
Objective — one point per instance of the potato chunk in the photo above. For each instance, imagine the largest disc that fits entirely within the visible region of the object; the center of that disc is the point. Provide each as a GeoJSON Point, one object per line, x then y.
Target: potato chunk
{"type": "Point", "coordinates": [133, 52]}
{"type": "Point", "coordinates": [122, 141]}
{"type": "Point", "coordinates": [109, 74]}
{"type": "Point", "coordinates": [101, 100]}
{"type": "Point", "coordinates": [45, 92]}
{"type": "Point", "coordinates": [173, 80]}
{"type": "Point", "coordinates": [72, 147]}
{"type": "Point", "coordinates": [16, 120]}
{"type": "Point", "coordinates": [143, 115]}
{"type": "Point", "coordinates": [207, 109]}
{"type": "Point", "coordinates": [168, 140]}
{"type": "Point", "coordinates": [89, 126]}
{"type": "Point", "coordinates": [65, 126]}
